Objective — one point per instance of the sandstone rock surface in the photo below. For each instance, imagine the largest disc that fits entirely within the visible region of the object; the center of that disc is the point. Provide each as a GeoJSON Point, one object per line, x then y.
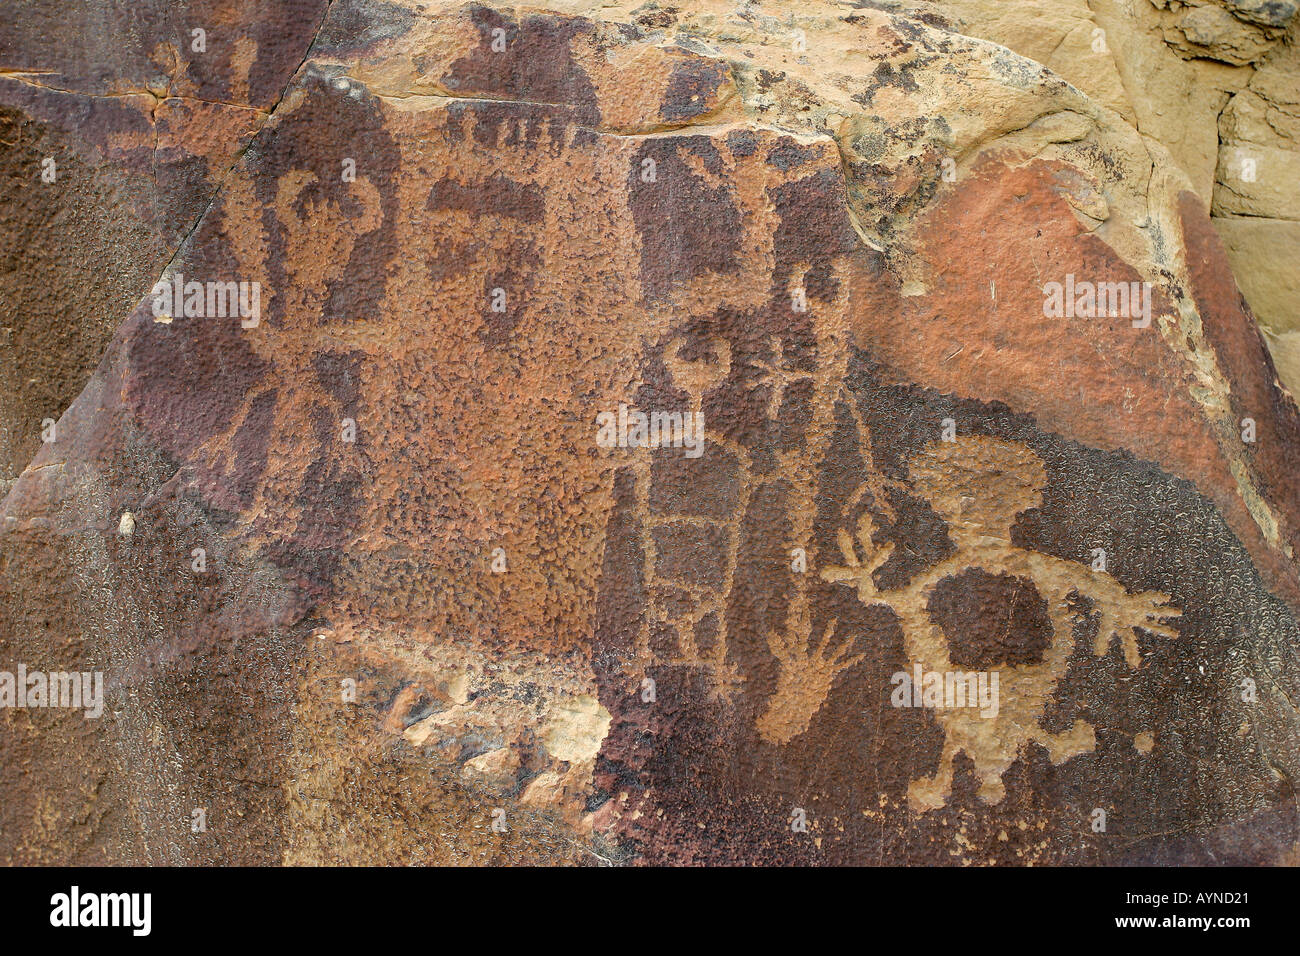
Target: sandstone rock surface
{"type": "Point", "coordinates": [1215, 82]}
{"type": "Point", "coordinates": [386, 595]}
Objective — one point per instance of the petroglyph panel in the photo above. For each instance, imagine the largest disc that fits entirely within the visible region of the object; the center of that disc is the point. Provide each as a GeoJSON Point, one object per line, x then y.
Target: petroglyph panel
{"type": "Point", "coordinates": [641, 431]}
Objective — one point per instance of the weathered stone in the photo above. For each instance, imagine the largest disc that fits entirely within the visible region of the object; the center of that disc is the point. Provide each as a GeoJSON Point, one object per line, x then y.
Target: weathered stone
{"type": "Point", "coordinates": [1263, 254]}
{"type": "Point", "coordinates": [1213, 32]}
{"type": "Point", "coordinates": [140, 130]}
{"type": "Point", "coordinates": [1210, 107]}
{"type": "Point", "coordinates": [438, 619]}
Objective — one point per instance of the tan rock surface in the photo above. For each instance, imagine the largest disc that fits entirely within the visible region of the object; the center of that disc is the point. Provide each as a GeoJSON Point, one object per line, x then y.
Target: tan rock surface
{"type": "Point", "coordinates": [1213, 81]}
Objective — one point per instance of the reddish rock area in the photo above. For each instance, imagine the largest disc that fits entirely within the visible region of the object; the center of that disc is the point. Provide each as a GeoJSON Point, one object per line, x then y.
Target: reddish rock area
{"type": "Point", "coordinates": [625, 435]}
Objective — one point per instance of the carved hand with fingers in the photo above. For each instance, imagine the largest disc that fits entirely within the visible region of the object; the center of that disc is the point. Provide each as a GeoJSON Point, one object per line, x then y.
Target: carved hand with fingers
{"type": "Point", "coordinates": [1122, 612]}
{"type": "Point", "coordinates": [856, 571]}
{"type": "Point", "coordinates": [807, 673]}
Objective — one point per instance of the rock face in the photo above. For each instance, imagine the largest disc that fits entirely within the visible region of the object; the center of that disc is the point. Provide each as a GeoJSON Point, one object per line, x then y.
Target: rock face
{"type": "Point", "coordinates": [641, 434]}
{"type": "Point", "coordinates": [141, 127]}
{"type": "Point", "coordinates": [1217, 83]}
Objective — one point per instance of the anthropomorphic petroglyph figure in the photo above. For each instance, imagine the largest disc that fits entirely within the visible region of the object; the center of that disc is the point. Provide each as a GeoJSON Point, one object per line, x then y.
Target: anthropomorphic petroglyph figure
{"type": "Point", "coordinates": [319, 241]}
{"type": "Point", "coordinates": [688, 596]}
{"type": "Point", "coordinates": [686, 617]}
{"type": "Point", "coordinates": [978, 486]}
{"type": "Point", "coordinates": [699, 376]}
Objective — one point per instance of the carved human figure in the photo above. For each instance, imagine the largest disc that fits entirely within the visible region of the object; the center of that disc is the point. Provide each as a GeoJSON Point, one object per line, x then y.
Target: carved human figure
{"type": "Point", "coordinates": [978, 486]}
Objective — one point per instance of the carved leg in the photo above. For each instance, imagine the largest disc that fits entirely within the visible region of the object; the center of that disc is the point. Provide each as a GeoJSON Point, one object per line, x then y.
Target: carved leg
{"type": "Point", "coordinates": [931, 793]}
